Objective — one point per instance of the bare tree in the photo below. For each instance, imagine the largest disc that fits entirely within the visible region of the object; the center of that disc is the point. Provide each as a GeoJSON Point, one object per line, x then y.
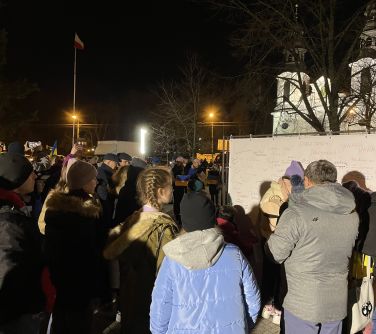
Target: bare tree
{"type": "Point", "coordinates": [174, 122]}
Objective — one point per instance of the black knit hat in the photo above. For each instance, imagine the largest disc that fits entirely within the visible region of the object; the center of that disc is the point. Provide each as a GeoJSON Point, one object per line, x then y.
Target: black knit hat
{"type": "Point", "coordinates": [111, 157]}
{"type": "Point", "coordinates": [197, 212]}
{"type": "Point", "coordinates": [14, 170]}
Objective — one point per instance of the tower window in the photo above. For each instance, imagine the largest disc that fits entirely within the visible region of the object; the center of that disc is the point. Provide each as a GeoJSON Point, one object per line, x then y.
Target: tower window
{"type": "Point", "coordinates": [286, 90]}
{"type": "Point", "coordinates": [365, 81]}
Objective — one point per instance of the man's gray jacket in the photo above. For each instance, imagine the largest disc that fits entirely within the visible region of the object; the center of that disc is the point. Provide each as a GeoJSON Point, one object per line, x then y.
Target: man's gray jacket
{"type": "Point", "coordinates": [314, 238]}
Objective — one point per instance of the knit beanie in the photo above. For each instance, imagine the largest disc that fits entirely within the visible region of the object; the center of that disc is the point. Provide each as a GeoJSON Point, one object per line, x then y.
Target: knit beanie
{"type": "Point", "coordinates": [111, 157]}
{"type": "Point", "coordinates": [195, 185]}
{"type": "Point", "coordinates": [295, 168]}
{"type": "Point", "coordinates": [14, 170]}
{"type": "Point", "coordinates": [197, 212]}
{"type": "Point", "coordinates": [79, 174]}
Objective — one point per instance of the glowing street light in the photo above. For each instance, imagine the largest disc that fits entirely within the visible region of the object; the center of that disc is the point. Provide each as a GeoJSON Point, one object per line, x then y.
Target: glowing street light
{"type": "Point", "coordinates": [143, 133]}
{"type": "Point", "coordinates": [211, 116]}
{"type": "Point", "coordinates": [74, 117]}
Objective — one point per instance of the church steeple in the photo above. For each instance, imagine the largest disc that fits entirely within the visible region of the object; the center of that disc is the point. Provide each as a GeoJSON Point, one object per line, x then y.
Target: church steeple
{"type": "Point", "coordinates": [296, 48]}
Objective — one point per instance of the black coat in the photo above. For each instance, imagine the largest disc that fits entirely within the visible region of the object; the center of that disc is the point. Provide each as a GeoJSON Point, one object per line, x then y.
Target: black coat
{"type": "Point", "coordinates": [107, 199]}
{"type": "Point", "coordinates": [73, 246]}
{"type": "Point", "coordinates": [369, 247]}
{"type": "Point", "coordinates": [128, 201]}
{"type": "Point", "coordinates": [20, 264]}
{"type": "Point", "coordinates": [362, 202]}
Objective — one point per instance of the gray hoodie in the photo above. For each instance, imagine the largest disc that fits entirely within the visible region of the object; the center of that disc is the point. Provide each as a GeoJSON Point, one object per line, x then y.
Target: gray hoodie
{"type": "Point", "coordinates": [196, 250]}
{"type": "Point", "coordinates": [314, 238]}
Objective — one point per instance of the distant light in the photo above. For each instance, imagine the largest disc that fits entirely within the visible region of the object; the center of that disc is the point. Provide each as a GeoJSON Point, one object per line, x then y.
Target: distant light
{"type": "Point", "coordinates": [211, 115]}
{"type": "Point", "coordinates": [200, 138]}
{"type": "Point", "coordinates": [143, 133]}
{"type": "Point", "coordinates": [74, 116]}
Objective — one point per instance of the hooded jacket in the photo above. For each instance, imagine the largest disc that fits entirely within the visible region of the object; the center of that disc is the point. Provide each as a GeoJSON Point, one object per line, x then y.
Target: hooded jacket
{"type": "Point", "coordinates": [73, 247]}
{"type": "Point", "coordinates": [314, 238]}
{"type": "Point", "coordinates": [20, 260]}
{"type": "Point", "coordinates": [138, 245]}
{"type": "Point", "coordinates": [204, 286]}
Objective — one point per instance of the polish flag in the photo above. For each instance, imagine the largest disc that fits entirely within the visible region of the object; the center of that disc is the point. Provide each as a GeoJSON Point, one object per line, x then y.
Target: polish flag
{"type": "Point", "coordinates": [78, 44]}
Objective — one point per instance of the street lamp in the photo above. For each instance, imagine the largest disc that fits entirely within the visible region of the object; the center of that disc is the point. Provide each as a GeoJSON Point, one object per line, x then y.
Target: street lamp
{"type": "Point", "coordinates": [143, 133]}
{"type": "Point", "coordinates": [74, 117]}
{"type": "Point", "coordinates": [211, 116]}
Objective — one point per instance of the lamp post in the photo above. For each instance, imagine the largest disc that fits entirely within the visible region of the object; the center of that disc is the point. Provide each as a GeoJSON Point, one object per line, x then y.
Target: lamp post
{"type": "Point", "coordinates": [74, 117]}
{"type": "Point", "coordinates": [211, 115]}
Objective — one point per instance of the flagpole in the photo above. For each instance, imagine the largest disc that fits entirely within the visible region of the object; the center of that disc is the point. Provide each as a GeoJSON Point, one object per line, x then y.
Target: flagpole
{"type": "Point", "coordinates": [74, 92]}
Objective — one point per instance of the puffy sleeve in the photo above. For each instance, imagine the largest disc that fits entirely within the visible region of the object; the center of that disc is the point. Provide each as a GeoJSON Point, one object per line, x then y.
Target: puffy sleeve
{"type": "Point", "coordinates": [285, 237]}
{"type": "Point", "coordinates": [251, 292]}
{"type": "Point", "coordinates": [161, 305]}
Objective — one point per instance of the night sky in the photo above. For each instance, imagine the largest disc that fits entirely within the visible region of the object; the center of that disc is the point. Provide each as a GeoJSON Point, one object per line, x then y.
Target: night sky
{"type": "Point", "coordinates": [130, 46]}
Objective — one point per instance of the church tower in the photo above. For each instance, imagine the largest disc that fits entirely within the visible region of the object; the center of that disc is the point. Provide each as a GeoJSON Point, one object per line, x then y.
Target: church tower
{"type": "Point", "coordinates": [289, 95]}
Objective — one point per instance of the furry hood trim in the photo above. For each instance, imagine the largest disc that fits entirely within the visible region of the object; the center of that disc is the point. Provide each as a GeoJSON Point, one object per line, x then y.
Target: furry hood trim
{"type": "Point", "coordinates": [62, 202]}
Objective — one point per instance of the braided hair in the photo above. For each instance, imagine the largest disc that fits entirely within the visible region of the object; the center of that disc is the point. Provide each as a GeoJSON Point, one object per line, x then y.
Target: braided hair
{"type": "Point", "coordinates": [148, 183]}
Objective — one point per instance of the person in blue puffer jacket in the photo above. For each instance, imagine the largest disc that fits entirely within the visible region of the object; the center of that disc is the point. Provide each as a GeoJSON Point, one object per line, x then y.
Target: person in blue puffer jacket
{"type": "Point", "coordinates": [204, 284]}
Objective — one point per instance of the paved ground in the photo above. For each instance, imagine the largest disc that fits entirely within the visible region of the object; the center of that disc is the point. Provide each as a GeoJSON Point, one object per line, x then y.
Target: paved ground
{"type": "Point", "coordinates": [265, 326]}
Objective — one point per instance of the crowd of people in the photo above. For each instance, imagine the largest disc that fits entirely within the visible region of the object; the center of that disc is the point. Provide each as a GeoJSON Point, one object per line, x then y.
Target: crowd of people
{"type": "Point", "coordinates": [81, 237]}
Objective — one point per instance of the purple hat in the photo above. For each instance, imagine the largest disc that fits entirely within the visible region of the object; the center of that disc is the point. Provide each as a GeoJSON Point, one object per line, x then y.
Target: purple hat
{"type": "Point", "coordinates": [295, 168]}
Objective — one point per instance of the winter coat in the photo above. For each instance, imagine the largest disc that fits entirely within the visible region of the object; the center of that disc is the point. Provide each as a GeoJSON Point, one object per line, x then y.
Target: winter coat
{"type": "Point", "coordinates": [73, 247]}
{"type": "Point", "coordinates": [106, 197]}
{"type": "Point", "coordinates": [20, 260]}
{"type": "Point", "coordinates": [369, 247]}
{"type": "Point", "coordinates": [128, 202]}
{"type": "Point", "coordinates": [314, 239]}
{"type": "Point", "coordinates": [362, 202]}
{"type": "Point", "coordinates": [204, 286]}
{"type": "Point", "coordinates": [138, 245]}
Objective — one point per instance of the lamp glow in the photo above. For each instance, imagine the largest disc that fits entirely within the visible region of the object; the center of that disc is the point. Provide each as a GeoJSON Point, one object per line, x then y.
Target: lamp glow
{"type": "Point", "coordinates": [143, 133]}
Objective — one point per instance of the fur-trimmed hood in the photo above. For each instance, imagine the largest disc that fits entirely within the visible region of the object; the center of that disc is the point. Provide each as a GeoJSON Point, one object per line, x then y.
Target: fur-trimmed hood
{"type": "Point", "coordinates": [63, 202]}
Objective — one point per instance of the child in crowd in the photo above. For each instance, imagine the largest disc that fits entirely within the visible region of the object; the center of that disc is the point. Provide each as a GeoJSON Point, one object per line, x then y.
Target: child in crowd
{"type": "Point", "coordinates": [137, 243]}
{"type": "Point", "coordinates": [204, 284]}
{"type": "Point", "coordinates": [272, 204]}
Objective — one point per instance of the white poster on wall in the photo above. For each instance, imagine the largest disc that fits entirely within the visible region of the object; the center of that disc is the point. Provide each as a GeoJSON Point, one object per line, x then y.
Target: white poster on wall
{"type": "Point", "coordinates": [255, 162]}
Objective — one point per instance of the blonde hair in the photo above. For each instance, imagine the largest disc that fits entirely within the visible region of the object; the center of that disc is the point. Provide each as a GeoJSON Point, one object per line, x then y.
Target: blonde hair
{"type": "Point", "coordinates": [148, 183]}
